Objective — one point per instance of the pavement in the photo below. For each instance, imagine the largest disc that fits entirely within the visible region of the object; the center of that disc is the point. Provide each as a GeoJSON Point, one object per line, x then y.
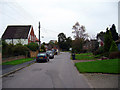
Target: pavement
{"type": "Point", "coordinates": [100, 80]}
{"type": "Point", "coordinates": [7, 69]}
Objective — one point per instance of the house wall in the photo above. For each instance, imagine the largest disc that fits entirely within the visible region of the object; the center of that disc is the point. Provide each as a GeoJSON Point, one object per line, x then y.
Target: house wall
{"type": "Point", "coordinates": [15, 41]}
{"type": "Point", "coordinates": [100, 42]}
{"type": "Point", "coordinates": [31, 37]}
{"type": "Point", "coordinates": [119, 46]}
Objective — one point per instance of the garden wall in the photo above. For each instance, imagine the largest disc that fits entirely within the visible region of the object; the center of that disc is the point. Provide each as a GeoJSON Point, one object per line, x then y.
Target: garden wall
{"type": "Point", "coordinates": [13, 58]}
{"type": "Point", "coordinates": [33, 53]}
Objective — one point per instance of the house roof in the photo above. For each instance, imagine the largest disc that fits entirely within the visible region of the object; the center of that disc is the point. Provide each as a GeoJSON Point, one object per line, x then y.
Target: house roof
{"type": "Point", "coordinates": [16, 32]}
{"type": "Point", "coordinates": [118, 41]}
{"type": "Point", "coordinates": [101, 36]}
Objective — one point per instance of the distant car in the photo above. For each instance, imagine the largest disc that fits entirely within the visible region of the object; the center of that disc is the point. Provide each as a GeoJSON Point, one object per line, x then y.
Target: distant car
{"type": "Point", "coordinates": [42, 57]}
{"type": "Point", "coordinates": [50, 54]}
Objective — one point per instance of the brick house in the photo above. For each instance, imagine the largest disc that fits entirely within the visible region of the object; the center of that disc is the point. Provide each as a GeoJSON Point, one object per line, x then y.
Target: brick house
{"type": "Point", "coordinates": [92, 45]}
{"type": "Point", "coordinates": [23, 34]}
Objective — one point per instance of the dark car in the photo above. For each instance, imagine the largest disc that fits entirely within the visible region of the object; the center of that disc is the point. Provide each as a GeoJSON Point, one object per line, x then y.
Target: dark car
{"type": "Point", "coordinates": [42, 57]}
{"type": "Point", "coordinates": [50, 54]}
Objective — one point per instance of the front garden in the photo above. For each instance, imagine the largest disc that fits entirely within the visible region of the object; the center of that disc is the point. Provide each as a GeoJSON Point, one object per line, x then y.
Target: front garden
{"type": "Point", "coordinates": [84, 56]}
{"type": "Point", "coordinates": [103, 66]}
{"type": "Point", "coordinates": [96, 64]}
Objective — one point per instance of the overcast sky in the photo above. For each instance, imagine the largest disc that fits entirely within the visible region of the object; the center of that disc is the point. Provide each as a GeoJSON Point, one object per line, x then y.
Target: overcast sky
{"type": "Point", "coordinates": [58, 16]}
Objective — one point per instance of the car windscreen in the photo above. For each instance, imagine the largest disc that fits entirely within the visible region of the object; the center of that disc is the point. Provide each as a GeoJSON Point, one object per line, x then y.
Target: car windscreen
{"type": "Point", "coordinates": [41, 54]}
{"type": "Point", "coordinates": [48, 51]}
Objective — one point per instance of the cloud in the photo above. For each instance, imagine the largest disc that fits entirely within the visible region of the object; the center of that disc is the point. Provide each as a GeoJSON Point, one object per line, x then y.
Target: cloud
{"type": "Point", "coordinates": [59, 15]}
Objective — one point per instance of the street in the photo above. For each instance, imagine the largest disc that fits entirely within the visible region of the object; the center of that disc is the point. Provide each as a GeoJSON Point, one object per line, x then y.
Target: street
{"type": "Point", "coordinates": [57, 73]}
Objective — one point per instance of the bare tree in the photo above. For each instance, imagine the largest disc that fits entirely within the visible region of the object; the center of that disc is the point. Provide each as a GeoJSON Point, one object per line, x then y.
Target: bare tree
{"type": "Point", "coordinates": [79, 31]}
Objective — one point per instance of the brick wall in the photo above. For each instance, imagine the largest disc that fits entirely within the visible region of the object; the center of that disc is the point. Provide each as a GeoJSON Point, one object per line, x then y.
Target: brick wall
{"type": "Point", "coordinates": [13, 58]}
{"type": "Point", "coordinates": [33, 53]}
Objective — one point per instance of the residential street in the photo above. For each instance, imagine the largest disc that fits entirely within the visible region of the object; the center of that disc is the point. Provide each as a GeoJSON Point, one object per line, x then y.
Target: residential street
{"type": "Point", "coordinates": [57, 73]}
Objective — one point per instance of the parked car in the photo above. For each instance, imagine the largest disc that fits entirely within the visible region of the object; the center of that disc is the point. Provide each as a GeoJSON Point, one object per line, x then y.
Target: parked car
{"type": "Point", "coordinates": [42, 57]}
{"type": "Point", "coordinates": [50, 54]}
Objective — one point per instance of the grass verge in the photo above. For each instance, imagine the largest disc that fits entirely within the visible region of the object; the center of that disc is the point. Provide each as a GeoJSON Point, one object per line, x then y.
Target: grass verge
{"type": "Point", "coordinates": [104, 66]}
{"type": "Point", "coordinates": [16, 62]}
{"type": "Point", "coordinates": [85, 56]}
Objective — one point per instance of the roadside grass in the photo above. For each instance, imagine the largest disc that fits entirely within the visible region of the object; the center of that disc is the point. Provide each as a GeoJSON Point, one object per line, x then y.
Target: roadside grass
{"type": "Point", "coordinates": [85, 56]}
{"type": "Point", "coordinates": [16, 62]}
{"type": "Point", "coordinates": [103, 66]}
{"type": "Point", "coordinates": [65, 51]}
{"type": "Point", "coordinates": [80, 57]}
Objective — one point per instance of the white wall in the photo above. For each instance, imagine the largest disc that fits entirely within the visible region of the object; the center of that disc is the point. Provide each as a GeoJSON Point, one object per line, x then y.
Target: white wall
{"type": "Point", "coordinates": [15, 41]}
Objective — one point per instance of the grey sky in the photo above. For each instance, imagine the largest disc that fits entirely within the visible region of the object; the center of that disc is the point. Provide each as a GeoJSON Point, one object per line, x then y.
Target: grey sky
{"type": "Point", "coordinates": [58, 16]}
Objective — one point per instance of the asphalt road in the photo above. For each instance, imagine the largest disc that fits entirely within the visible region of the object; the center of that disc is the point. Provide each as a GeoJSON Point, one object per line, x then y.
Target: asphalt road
{"type": "Point", "coordinates": [57, 73]}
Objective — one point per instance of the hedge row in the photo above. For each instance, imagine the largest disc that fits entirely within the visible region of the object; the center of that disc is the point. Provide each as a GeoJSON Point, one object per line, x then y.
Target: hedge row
{"type": "Point", "coordinates": [9, 50]}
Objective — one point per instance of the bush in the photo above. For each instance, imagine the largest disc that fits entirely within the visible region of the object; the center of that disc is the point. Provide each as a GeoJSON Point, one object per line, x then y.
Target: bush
{"type": "Point", "coordinates": [114, 55]}
{"type": "Point", "coordinates": [20, 50]}
{"type": "Point", "coordinates": [113, 47]}
{"type": "Point", "coordinates": [33, 46]}
{"type": "Point", "coordinates": [106, 54]}
{"type": "Point", "coordinates": [100, 50]}
{"type": "Point", "coordinates": [42, 48]}
{"type": "Point", "coordinates": [7, 49]}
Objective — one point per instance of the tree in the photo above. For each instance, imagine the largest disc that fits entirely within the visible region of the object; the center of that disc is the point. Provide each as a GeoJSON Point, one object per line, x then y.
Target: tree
{"type": "Point", "coordinates": [64, 42]}
{"type": "Point", "coordinates": [101, 35]}
{"type": "Point", "coordinates": [42, 48]}
{"type": "Point", "coordinates": [61, 37]}
{"type": "Point", "coordinates": [114, 33]}
{"type": "Point", "coordinates": [33, 46]}
{"type": "Point", "coordinates": [77, 45]}
{"type": "Point", "coordinates": [113, 47]}
{"type": "Point", "coordinates": [43, 43]}
{"type": "Point", "coordinates": [79, 31]}
{"type": "Point", "coordinates": [68, 43]}
{"type": "Point", "coordinates": [108, 40]}
{"type": "Point", "coordinates": [80, 36]}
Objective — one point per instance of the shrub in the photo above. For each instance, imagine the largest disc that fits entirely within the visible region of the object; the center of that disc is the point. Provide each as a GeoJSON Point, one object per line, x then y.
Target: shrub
{"type": "Point", "coordinates": [33, 46]}
{"type": "Point", "coordinates": [7, 49]}
{"type": "Point", "coordinates": [114, 55]}
{"type": "Point", "coordinates": [113, 47]}
{"type": "Point", "coordinates": [106, 54]}
{"type": "Point", "coordinates": [20, 50]}
{"type": "Point", "coordinates": [100, 50]}
{"type": "Point", "coordinates": [42, 48]}
{"type": "Point", "coordinates": [108, 41]}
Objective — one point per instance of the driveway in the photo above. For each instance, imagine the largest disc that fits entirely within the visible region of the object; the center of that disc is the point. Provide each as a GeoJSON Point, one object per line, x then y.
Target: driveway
{"type": "Point", "coordinates": [57, 73]}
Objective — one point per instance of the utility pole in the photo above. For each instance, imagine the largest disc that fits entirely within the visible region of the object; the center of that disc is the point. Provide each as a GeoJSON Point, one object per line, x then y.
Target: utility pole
{"type": "Point", "coordinates": [39, 36]}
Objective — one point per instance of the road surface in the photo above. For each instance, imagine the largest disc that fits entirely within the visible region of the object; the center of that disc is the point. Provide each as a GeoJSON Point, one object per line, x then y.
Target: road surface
{"type": "Point", "coordinates": [57, 73]}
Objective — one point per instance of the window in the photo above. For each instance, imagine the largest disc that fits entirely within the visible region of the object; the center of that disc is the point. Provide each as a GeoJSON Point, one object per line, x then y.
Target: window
{"type": "Point", "coordinates": [30, 37]}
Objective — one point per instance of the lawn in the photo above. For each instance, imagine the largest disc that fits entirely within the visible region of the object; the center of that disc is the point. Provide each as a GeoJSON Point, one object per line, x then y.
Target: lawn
{"type": "Point", "coordinates": [103, 66]}
{"type": "Point", "coordinates": [85, 56]}
{"type": "Point", "coordinates": [19, 61]}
